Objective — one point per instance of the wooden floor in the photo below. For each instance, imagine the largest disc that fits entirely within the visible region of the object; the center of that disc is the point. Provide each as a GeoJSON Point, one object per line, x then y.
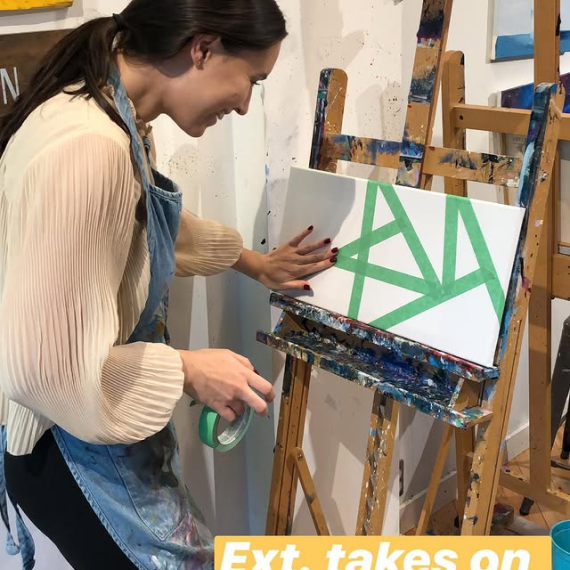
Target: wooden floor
{"type": "Point", "coordinates": [443, 521]}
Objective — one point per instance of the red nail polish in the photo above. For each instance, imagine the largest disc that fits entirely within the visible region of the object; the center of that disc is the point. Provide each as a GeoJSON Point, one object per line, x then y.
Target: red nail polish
{"type": "Point", "coordinates": [327, 241]}
{"type": "Point", "coordinates": [307, 287]}
{"type": "Point", "coordinates": [334, 250]}
{"type": "Point", "coordinates": [311, 228]}
{"type": "Point", "coordinates": [334, 259]}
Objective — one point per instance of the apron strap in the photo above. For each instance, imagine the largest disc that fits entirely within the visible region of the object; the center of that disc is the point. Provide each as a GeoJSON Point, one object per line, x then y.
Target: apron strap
{"type": "Point", "coordinates": [27, 547]}
{"type": "Point", "coordinates": [123, 106]}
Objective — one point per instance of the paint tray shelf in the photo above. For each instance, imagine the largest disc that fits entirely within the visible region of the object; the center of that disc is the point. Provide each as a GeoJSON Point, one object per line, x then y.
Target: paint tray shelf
{"type": "Point", "coordinates": [405, 371]}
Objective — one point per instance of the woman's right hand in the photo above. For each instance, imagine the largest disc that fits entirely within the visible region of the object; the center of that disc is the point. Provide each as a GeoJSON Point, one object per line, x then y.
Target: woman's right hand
{"type": "Point", "coordinates": [224, 381]}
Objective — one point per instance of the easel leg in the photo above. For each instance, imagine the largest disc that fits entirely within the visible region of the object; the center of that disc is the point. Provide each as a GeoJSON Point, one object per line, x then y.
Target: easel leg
{"type": "Point", "coordinates": [488, 452]}
{"type": "Point", "coordinates": [539, 327]}
{"type": "Point", "coordinates": [289, 436]}
{"type": "Point", "coordinates": [435, 480]}
{"type": "Point", "coordinates": [379, 455]}
{"type": "Point", "coordinates": [464, 447]}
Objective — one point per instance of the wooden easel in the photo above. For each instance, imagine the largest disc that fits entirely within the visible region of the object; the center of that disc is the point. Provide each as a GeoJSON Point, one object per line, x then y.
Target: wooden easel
{"type": "Point", "coordinates": [552, 276]}
{"type": "Point", "coordinates": [470, 395]}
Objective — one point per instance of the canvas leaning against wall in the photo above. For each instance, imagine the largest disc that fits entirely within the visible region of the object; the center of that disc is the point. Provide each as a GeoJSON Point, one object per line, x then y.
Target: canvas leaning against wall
{"type": "Point", "coordinates": [512, 34]}
{"type": "Point", "coordinates": [425, 266]}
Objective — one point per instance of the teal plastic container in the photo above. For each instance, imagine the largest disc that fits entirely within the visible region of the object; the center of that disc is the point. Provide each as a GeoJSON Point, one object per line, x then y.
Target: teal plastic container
{"type": "Point", "coordinates": [560, 534]}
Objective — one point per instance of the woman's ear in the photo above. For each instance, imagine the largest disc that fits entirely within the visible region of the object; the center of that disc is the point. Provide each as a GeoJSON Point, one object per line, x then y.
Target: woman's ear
{"type": "Point", "coordinates": [202, 48]}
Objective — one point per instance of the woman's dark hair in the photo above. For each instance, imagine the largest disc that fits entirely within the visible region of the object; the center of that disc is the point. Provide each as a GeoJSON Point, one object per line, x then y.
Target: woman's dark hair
{"type": "Point", "coordinates": [149, 31]}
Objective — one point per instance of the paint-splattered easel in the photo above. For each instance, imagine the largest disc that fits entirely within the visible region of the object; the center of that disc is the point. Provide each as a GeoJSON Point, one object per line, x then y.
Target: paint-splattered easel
{"type": "Point", "coordinates": [552, 276]}
{"type": "Point", "coordinates": [465, 395]}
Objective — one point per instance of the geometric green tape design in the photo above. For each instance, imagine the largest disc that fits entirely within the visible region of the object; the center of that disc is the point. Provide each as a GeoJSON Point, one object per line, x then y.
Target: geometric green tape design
{"type": "Point", "coordinates": [354, 257]}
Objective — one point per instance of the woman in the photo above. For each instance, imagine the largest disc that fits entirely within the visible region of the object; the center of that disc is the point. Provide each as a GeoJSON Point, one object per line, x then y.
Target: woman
{"type": "Point", "coordinates": [91, 235]}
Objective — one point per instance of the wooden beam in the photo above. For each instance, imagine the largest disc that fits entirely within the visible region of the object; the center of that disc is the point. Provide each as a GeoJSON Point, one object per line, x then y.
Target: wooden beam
{"type": "Point", "coordinates": [460, 165]}
{"type": "Point", "coordinates": [453, 93]}
{"type": "Point", "coordinates": [540, 365]}
{"type": "Point", "coordinates": [329, 114]}
{"type": "Point", "coordinates": [546, 70]}
{"type": "Point", "coordinates": [456, 164]}
{"type": "Point", "coordinates": [363, 150]}
{"type": "Point", "coordinates": [289, 436]}
{"type": "Point", "coordinates": [491, 119]}
{"type": "Point", "coordinates": [469, 396]}
{"type": "Point", "coordinates": [377, 466]}
{"type": "Point", "coordinates": [435, 480]}
{"type": "Point", "coordinates": [550, 498]}
{"type": "Point", "coordinates": [500, 120]}
{"type": "Point", "coordinates": [547, 46]}
{"type": "Point", "coordinates": [424, 91]}
{"type": "Point", "coordinates": [315, 508]}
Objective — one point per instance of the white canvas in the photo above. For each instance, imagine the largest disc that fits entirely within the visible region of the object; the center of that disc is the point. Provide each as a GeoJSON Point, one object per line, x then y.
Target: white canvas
{"type": "Point", "coordinates": [401, 286]}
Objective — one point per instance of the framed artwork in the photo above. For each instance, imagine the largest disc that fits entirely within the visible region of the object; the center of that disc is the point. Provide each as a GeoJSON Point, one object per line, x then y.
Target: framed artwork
{"type": "Point", "coordinates": [513, 29]}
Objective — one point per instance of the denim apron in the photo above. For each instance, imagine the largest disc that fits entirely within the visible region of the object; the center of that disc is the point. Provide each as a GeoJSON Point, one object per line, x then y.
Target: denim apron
{"type": "Point", "coordinates": [137, 491]}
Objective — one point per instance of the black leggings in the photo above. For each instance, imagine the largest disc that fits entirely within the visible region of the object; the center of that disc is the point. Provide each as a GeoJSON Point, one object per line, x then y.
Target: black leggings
{"type": "Point", "coordinates": [42, 485]}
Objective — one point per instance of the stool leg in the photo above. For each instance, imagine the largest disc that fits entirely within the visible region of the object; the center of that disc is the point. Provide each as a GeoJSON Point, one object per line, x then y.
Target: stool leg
{"type": "Point", "coordinates": [561, 380]}
{"type": "Point", "coordinates": [566, 438]}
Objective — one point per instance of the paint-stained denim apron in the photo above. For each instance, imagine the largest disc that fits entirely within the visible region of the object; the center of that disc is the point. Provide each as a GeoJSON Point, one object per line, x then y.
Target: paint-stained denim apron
{"type": "Point", "coordinates": [137, 491]}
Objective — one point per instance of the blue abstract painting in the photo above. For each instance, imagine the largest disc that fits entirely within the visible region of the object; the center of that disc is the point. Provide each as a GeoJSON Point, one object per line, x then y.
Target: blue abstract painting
{"type": "Point", "coordinates": [513, 29]}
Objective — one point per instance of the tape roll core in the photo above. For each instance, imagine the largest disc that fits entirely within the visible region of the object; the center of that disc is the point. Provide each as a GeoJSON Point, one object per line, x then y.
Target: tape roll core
{"type": "Point", "coordinates": [230, 437]}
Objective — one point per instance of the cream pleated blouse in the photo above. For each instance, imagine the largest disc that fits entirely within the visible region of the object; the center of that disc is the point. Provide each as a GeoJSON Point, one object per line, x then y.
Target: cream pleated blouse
{"type": "Point", "coordinates": [74, 276]}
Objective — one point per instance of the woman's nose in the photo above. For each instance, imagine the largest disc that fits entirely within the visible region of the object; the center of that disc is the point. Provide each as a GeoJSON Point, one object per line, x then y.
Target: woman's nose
{"type": "Point", "coordinates": [244, 107]}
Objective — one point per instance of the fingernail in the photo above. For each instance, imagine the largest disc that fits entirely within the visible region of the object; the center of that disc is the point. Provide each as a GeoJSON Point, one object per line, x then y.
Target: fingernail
{"type": "Point", "coordinates": [307, 287]}
{"type": "Point", "coordinates": [327, 241]}
{"type": "Point", "coordinates": [334, 259]}
{"type": "Point", "coordinates": [311, 228]}
{"type": "Point", "coordinates": [334, 250]}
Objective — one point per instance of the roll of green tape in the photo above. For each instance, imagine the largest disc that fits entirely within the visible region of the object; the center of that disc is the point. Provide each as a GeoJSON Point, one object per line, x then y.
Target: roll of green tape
{"type": "Point", "coordinates": [230, 437]}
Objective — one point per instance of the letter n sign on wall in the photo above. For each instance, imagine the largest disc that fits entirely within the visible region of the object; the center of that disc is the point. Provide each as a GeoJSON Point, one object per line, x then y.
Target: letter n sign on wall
{"type": "Point", "coordinates": [20, 55]}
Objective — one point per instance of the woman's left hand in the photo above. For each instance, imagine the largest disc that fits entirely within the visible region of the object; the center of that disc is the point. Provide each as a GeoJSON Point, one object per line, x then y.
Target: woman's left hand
{"type": "Point", "coordinates": [284, 267]}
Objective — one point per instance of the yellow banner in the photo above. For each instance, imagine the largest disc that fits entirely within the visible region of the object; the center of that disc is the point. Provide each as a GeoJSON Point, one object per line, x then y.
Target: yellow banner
{"type": "Point", "coordinates": [383, 553]}
{"type": "Point", "coordinates": [31, 4]}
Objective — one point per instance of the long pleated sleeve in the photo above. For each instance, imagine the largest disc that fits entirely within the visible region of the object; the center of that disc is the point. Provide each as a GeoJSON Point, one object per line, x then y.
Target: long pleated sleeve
{"type": "Point", "coordinates": [205, 247]}
{"type": "Point", "coordinates": [60, 317]}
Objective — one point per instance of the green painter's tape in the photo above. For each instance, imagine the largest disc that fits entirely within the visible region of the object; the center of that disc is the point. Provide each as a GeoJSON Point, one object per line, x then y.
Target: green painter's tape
{"type": "Point", "coordinates": [364, 250]}
{"type": "Point", "coordinates": [230, 437]}
{"type": "Point", "coordinates": [354, 257]}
